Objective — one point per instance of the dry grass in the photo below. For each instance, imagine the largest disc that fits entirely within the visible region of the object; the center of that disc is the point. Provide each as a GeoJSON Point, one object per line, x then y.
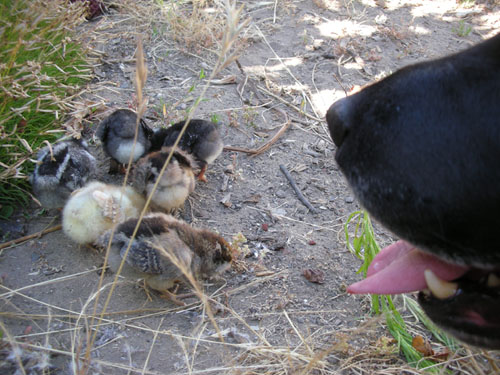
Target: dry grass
{"type": "Point", "coordinates": [193, 26]}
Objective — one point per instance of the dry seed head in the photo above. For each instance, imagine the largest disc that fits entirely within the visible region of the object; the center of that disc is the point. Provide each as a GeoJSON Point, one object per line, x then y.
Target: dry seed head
{"type": "Point", "coordinates": [141, 73]}
{"type": "Point", "coordinates": [233, 29]}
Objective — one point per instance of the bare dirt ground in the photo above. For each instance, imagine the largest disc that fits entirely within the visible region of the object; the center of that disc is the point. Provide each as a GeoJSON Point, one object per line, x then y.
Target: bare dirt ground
{"type": "Point", "coordinates": [296, 58]}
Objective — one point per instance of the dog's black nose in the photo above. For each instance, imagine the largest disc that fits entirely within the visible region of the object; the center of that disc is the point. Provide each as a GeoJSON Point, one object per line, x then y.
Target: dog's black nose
{"type": "Point", "coordinates": [338, 119]}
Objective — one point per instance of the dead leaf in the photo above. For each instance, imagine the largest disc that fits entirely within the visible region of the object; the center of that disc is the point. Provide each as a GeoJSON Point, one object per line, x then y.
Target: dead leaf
{"type": "Point", "coordinates": [21, 125]}
{"type": "Point", "coordinates": [442, 355]}
{"type": "Point", "coordinates": [253, 199]}
{"type": "Point", "coordinates": [314, 275]}
{"type": "Point", "coordinates": [226, 200]}
{"type": "Point", "coordinates": [422, 346]}
{"type": "Point", "coordinates": [227, 80]}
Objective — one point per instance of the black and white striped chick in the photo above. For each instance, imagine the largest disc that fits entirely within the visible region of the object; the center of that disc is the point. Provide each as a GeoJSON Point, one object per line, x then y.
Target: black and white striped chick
{"type": "Point", "coordinates": [201, 139]}
{"type": "Point", "coordinates": [176, 183]}
{"type": "Point", "coordinates": [60, 170]}
{"type": "Point", "coordinates": [162, 247]}
{"type": "Point", "coordinates": [117, 133]}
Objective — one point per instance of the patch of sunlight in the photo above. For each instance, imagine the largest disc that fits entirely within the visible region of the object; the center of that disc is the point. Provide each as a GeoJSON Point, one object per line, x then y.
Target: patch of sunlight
{"type": "Point", "coordinates": [342, 28]}
{"type": "Point", "coordinates": [369, 3]}
{"type": "Point", "coordinates": [420, 8]}
{"type": "Point", "coordinates": [489, 24]}
{"type": "Point", "coordinates": [435, 8]}
{"type": "Point", "coordinates": [272, 70]}
{"type": "Point", "coordinates": [287, 61]}
{"type": "Point", "coordinates": [323, 99]}
{"type": "Point", "coordinates": [420, 30]}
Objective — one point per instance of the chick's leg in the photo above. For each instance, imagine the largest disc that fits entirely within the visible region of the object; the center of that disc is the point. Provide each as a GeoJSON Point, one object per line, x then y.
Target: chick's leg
{"type": "Point", "coordinates": [201, 175]}
{"type": "Point", "coordinates": [172, 297]}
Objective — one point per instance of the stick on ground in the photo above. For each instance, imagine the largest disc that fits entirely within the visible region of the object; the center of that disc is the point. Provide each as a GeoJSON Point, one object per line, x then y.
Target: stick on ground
{"type": "Point", "coordinates": [29, 236]}
{"type": "Point", "coordinates": [297, 191]}
{"type": "Point", "coordinates": [260, 150]}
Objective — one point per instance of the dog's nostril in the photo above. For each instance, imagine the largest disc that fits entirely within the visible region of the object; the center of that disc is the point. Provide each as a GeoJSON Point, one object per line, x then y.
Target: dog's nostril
{"type": "Point", "coordinates": [338, 118]}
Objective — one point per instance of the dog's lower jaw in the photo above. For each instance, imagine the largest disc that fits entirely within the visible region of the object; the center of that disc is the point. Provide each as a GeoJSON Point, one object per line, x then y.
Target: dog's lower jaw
{"type": "Point", "coordinates": [471, 314]}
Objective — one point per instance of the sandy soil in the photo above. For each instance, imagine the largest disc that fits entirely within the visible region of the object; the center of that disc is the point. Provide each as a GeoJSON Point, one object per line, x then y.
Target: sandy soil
{"type": "Point", "coordinates": [298, 57]}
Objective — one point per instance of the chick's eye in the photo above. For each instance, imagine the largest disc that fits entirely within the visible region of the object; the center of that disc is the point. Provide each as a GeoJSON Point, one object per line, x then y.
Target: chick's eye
{"type": "Point", "coordinates": [150, 177]}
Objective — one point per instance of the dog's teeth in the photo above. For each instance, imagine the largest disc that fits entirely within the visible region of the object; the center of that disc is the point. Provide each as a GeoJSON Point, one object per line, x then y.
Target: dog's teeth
{"type": "Point", "coordinates": [427, 292]}
{"type": "Point", "coordinates": [493, 280]}
{"type": "Point", "coordinates": [439, 288]}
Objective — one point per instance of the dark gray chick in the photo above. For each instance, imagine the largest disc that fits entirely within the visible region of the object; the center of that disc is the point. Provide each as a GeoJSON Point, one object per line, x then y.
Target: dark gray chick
{"type": "Point", "coordinates": [117, 132]}
{"type": "Point", "coordinates": [201, 139]}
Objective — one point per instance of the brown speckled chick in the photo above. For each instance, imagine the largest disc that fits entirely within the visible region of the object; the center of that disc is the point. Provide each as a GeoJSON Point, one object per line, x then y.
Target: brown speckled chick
{"type": "Point", "coordinates": [176, 183]}
{"type": "Point", "coordinates": [160, 238]}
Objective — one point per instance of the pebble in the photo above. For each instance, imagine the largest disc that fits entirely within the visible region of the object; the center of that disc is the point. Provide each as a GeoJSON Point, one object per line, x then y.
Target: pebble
{"type": "Point", "coordinates": [349, 199]}
{"type": "Point", "coordinates": [280, 193]}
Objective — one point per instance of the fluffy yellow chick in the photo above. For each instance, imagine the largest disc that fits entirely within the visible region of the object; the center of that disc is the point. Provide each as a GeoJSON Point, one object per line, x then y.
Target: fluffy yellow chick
{"type": "Point", "coordinates": [96, 207]}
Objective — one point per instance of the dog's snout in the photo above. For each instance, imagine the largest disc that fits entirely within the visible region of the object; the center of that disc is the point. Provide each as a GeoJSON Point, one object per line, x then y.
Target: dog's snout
{"type": "Point", "coordinates": [338, 119]}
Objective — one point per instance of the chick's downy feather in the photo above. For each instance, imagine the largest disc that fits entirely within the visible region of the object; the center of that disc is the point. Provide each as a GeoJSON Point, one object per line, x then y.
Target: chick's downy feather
{"type": "Point", "coordinates": [201, 139]}
{"type": "Point", "coordinates": [176, 183]}
{"type": "Point", "coordinates": [164, 249]}
{"type": "Point", "coordinates": [97, 207]}
{"type": "Point", "coordinates": [60, 170]}
{"type": "Point", "coordinates": [117, 133]}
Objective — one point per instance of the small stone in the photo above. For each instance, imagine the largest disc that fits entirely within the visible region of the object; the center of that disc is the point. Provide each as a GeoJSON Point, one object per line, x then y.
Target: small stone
{"type": "Point", "coordinates": [278, 212]}
{"type": "Point", "coordinates": [349, 199]}
{"type": "Point", "coordinates": [280, 193]}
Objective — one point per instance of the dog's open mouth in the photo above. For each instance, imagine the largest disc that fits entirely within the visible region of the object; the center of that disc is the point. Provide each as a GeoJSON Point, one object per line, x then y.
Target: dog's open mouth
{"type": "Point", "coordinates": [465, 300]}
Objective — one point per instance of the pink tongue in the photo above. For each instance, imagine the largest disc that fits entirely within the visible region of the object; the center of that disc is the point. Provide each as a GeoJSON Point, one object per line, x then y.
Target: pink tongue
{"type": "Point", "coordinates": [399, 268]}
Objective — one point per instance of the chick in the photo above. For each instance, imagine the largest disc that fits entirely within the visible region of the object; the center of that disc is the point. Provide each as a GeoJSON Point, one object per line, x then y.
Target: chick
{"type": "Point", "coordinates": [201, 139]}
{"type": "Point", "coordinates": [176, 183]}
{"type": "Point", "coordinates": [97, 207]}
{"type": "Point", "coordinates": [117, 133]}
{"type": "Point", "coordinates": [162, 247]}
{"type": "Point", "coordinates": [58, 173]}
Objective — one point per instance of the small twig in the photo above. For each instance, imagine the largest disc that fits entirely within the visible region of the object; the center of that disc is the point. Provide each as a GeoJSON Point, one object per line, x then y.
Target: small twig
{"type": "Point", "coordinates": [30, 236]}
{"type": "Point", "coordinates": [260, 150]}
{"type": "Point", "coordinates": [315, 118]}
{"type": "Point", "coordinates": [297, 191]}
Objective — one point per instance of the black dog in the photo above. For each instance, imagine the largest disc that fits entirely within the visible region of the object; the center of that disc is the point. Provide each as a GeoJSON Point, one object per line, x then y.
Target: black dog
{"type": "Point", "coordinates": [421, 150]}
